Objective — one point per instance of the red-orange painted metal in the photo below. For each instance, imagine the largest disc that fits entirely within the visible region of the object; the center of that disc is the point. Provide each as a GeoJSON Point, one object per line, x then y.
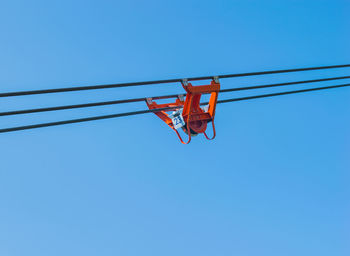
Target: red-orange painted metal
{"type": "Point", "coordinates": [195, 118]}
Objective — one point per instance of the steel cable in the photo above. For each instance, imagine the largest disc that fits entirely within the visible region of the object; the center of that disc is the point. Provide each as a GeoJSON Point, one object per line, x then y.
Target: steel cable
{"type": "Point", "coordinates": [114, 102]}
{"type": "Point", "coordinates": [27, 127]}
{"type": "Point", "coordinates": [106, 86]}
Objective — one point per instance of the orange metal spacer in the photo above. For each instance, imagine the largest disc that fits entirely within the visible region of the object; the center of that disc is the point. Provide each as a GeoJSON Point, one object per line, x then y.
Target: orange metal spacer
{"type": "Point", "coordinates": [194, 117]}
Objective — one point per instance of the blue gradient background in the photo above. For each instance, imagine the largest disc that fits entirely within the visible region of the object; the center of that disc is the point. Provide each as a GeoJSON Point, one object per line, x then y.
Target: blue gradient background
{"type": "Point", "coordinates": [274, 182]}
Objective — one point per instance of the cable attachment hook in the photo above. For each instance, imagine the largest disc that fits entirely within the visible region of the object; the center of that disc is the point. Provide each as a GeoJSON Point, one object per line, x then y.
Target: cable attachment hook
{"type": "Point", "coordinates": [184, 82]}
{"type": "Point", "coordinates": [181, 97]}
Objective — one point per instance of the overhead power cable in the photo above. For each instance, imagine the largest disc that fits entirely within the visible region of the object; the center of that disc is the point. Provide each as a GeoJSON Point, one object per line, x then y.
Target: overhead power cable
{"type": "Point", "coordinates": [106, 86]}
{"type": "Point", "coordinates": [27, 127]}
{"type": "Point", "coordinates": [114, 102]}
{"type": "Point", "coordinates": [282, 93]}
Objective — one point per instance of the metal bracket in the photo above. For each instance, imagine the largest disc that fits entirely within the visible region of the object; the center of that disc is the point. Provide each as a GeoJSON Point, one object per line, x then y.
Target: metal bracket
{"type": "Point", "coordinates": [149, 100]}
{"type": "Point", "coordinates": [185, 82]}
{"type": "Point", "coordinates": [181, 97]}
{"type": "Point", "coordinates": [216, 79]}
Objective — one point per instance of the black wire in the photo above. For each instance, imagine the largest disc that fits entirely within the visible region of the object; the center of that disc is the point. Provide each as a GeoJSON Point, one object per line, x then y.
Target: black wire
{"type": "Point", "coordinates": [27, 127]}
{"type": "Point", "coordinates": [86, 105]}
{"type": "Point", "coordinates": [114, 102]}
{"type": "Point", "coordinates": [106, 86]}
{"type": "Point", "coordinates": [284, 84]}
{"type": "Point", "coordinates": [281, 93]}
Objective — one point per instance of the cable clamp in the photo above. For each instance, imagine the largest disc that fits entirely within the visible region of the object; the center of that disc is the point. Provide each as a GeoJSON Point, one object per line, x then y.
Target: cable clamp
{"type": "Point", "coordinates": [185, 82]}
{"type": "Point", "coordinates": [216, 79]}
{"type": "Point", "coordinates": [181, 97]}
{"type": "Point", "coordinates": [149, 100]}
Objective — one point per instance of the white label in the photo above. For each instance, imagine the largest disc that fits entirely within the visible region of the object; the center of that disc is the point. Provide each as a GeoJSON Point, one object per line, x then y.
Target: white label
{"type": "Point", "coordinates": [177, 119]}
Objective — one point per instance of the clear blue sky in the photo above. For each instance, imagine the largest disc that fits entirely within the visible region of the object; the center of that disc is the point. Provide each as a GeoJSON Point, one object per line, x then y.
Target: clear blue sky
{"type": "Point", "coordinates": [274, 182]}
